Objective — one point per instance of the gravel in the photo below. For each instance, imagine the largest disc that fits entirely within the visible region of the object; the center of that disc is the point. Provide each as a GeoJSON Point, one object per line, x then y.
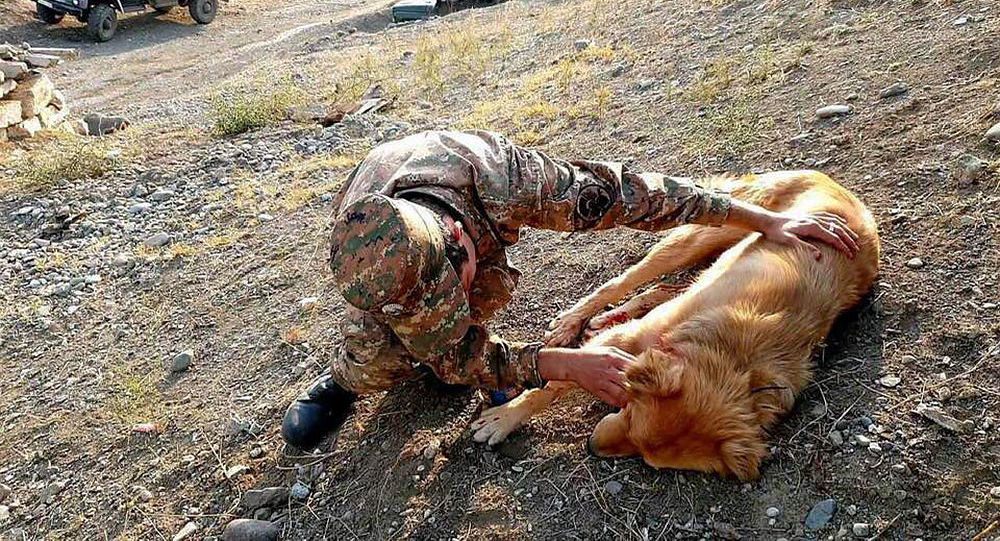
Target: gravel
{"type": "Point", "coordinates": [821, 513]}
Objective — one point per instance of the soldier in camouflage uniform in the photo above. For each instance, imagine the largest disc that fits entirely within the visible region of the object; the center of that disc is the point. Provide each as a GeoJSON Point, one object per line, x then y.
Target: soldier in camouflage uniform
{"type": "Point", "coordinates": [410, 303]}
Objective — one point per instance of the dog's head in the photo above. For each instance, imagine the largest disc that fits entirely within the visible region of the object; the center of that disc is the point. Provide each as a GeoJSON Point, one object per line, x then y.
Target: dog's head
{"type": "Point", "coordinates": [680, 415]}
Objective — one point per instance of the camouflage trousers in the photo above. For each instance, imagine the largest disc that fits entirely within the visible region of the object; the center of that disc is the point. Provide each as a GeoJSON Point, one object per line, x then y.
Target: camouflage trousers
{"type": "Point", "coordinates": [370, 358]}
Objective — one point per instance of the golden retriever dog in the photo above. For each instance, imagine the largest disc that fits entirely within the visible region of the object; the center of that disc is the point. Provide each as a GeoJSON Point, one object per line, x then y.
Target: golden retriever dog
{"type": "Point", "coordinates": [721, 360]}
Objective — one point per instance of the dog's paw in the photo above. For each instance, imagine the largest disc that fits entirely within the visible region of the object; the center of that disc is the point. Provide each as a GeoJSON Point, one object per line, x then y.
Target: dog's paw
{"type": "Point", "coordinates": [495, 424]}
{"type": "Point", "coordinates": [565, 329]}
{"type": "Point", "coordinates": [602, 322]}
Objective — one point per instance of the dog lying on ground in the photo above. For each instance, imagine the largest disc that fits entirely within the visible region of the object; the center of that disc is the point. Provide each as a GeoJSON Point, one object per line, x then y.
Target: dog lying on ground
{"type": "Point", "coordinates": [721, 360]}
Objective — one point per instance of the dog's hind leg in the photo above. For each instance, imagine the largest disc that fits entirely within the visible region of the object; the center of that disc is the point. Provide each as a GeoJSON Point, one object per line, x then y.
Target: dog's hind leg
{"type": "Point", "coordinates": [683, 247]}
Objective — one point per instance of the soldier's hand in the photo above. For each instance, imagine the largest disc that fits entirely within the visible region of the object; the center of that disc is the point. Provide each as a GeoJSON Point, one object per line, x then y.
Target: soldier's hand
{"type": "Point", "coordinates": [824, 227]}
{"type": "Point", "coordinates": [598, 369]}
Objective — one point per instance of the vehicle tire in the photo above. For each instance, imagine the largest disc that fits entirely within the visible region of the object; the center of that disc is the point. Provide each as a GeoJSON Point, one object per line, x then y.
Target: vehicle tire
{"type": "Point", "coordinates": [164, 10]}
{"type": "Point", "coordinates": [102, 22]}
{"type": "Point", "coordinates": [203, 11]}
{"type": "Point", "coordinates": [48, 15]}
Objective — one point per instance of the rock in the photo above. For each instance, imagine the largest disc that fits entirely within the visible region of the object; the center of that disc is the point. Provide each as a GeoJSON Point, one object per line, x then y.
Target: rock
{"type": "Point", "coordinates": [995, 492]}
{"type": "Point", "coordinates": [942, 419]}
{"type": "Point", "coordinates": [34, 92]}
{"type": "Point", "coordinates": [581, 44]}
{"type": "Point", "coordinates": [7, 86]}
{"type": "Point", "coordinates": [307, 304]}
{"type": "Point", "coordinates": [142, 493]}
{"type": "Point", "coordinates": [263, 513]}
{"type": "Point", "coordinates": [4, 492]}
{"type": "Point", "coordinates": [98, 124]}
{"type": "Point", "coordinates": [612, 487]}
{"type": "Point", "coordinates": [121, 260]}
{"type": "Point", "coordinates": [852, 510]}
{"type": "Point", "coordinates": [820, 515]}
{"type": "Point", "coordinates": [50, 116]}
{"type": "Point", "coordinates": [161, 195]}
{"type": "Point", "coordinates": [139, 208]}
{"type": "Point", "coordinates": [889, 381]}
{"type": "Point", "coordinates": [181, 361]}
{"type": "Point", "coordinates": [299, 492]}
{"type": "Point", "coordinates": [51, 490]}
{"type": "Point", "coordinates": [236, 471]}
{"type": "Point", "coordinates": [915, 263]}
{"type": "Point", "coordinates": [13, 70]}
{"type": "Point", "coordinates": [772, 512]}
{"type": "Point", "coordinates": [41, 60]}
{"type": "Point", "coordinates": [894, 89]}
{"type": "Point", "coordinates": [24, 129]}
{"type": "Point", "coordinates": [157, 240]}
{"type": "Point", "coordinates": [836, 438]}
{"type": "Point", "coordinates": [10, 113]}
{"type": "Point", "coordinates": [264, 497]}
{"type": "Point", "coordinates": [4, 514]}
{"type": "Point", "coordinates": [960, 21]}
{"type": "Point", "coordinates": [307, 113]}
{"type": "Point", "coordinates": [265, 217]}
{"type": "Point", "coordinates": [833, 110]}
{"type": "Point", "coordinates": [993, 134]}
{"type": "Point", "coordinates": [863, 440]}
{"type": "Point", "coordinates": [65, 53]}
{"type": "Point", "coordinates": [244, 529]}
{"type": "Point", "coordinates": [861, 529]}
{"type": "Point", "coordinates": [875, 448]}
{"type": "Point", "coordinates": [256, 453]}
{"type": "Point", "coordinates": [430, 451]}
{"type": "Point", "coordinates": [901, 468]}
{"type": "Point", "coordinates": [969, 167]}
{"type": "Point", "coordinates": [187, 530]}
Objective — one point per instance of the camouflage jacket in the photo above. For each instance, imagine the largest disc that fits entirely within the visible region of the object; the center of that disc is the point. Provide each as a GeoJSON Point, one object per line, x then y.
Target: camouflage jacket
{"type": "Point", "coordinates": [497, 188]}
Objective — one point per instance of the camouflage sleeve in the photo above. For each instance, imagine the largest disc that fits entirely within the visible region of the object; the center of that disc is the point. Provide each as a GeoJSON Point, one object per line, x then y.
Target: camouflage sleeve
{"type": "Point", "coordinates": [372, 359]}
{"type": "Point", "coordinates": [588, 195]}
{"type": "Point", "coordinates": [487, 361]}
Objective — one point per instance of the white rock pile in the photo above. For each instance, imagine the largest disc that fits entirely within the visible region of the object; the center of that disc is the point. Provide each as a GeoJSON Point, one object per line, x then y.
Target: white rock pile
{"type": "Point", "coordinates": [29, 102]}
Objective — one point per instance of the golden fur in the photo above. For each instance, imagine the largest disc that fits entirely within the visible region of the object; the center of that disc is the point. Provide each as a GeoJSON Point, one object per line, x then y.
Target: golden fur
{"type": "Point", "coordinates": [722, 360]}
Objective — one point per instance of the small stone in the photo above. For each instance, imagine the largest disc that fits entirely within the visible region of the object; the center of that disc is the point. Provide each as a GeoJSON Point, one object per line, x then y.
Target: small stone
{"type": "Point", "coordinates": [187, 530]}
{"type": "Point", "coordinates": [772, 512]}
{"type": "Point", "coordinates": [52, 490]}
{"type": "Point", "coordinates": [915, 263]}
{"type": "Point", "coordinates": [820, 515]}
{"type": "Point", "coordinates": [836, 438]}
{"type": "Point", "coordinates": [306, 304]}
{"type": "Point", "coordinates": [121, 260]}
{"type": "Point", "coordinates": [894, 89]}
{"type": "Point", "coordinates": [139, 208]}
{"type": "Point", "coordinates": [901, 468]}
{"type": "Point", "coordinates": [265, 217]}
{"type": "Point", "coordinates": [863, 440]}
{"type": "Point", "coordinates": [960, 21]}
{"type": "Point", "coordinates": [612, 487]}
{"type": "Point", "coordinates": [852, 510]}
{"type": "Point", "coordinates": [236, 471]}
{"type": "Point", "coordinates": [142, 493]}
{"type": "Point", "coordinates": [158, 240]}
{"type": "Point", "coordinates": [256, 453]}
{"type": "Point", "coordinates": [264, 497]}
{"type": "Point", "coordinates": [182, 361]}
{"type": "Point", "coordinates": [875, 448]}
{"type": "Point", "coordinates": [969, 167]}
{"type": "Point", "coordinates": [993, 134]}
{"type": "Point", "coordinates": [833, 110]}
{"type": "Point", "coordinates": [432, 449]}
{"type": "Point", "coordinates": [889, 381]}
{"type": "Point", "coordinates": [262, 514]}
{"type": "Point", "coordinates": [995, 492]}
{"type": "Point", "coordinates": [4, 492]}
{"type": "Point", "coordinates": [139, 190]}
{"type": "Point", "coordinates": [300, 491]}
{"type": "Point", "coordinates": [581, 44]}
{"type": "Point", "coordinates": [161, 195]}
{"type": "Point", "coordinates": [861, 529]}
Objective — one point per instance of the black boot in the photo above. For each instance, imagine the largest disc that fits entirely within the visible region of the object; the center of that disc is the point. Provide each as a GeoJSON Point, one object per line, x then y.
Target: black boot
{"type": "Point", "coordinates": [321, 410]}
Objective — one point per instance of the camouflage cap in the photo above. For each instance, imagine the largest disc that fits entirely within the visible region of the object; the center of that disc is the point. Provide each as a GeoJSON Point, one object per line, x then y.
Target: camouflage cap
{"type": "Point", "coordinates": [388, 258]}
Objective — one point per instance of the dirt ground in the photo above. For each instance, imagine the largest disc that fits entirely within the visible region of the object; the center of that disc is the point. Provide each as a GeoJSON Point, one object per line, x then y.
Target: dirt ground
{"type": "Point", "coordinates": [685, 88]}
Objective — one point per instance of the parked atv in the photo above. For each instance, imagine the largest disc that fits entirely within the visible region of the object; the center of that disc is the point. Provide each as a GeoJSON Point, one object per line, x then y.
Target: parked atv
{"type": "Point", "coordinates": [101, 16]}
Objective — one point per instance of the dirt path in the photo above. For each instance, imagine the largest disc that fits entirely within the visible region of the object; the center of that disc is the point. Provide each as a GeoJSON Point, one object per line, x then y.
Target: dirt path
{"type": "Point", "coordinates": [159, 66]}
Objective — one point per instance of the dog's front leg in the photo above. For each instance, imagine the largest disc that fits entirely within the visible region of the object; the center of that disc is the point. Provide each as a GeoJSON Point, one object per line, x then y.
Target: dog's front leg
{"type": "Point", "coordinates": [495, 424]}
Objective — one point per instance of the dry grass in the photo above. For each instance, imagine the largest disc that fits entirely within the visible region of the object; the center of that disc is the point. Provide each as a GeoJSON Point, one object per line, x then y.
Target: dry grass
{"type": "Point", "coordinates": [240, 112]}
{"type": "Point", "coordinates": [57, 156]}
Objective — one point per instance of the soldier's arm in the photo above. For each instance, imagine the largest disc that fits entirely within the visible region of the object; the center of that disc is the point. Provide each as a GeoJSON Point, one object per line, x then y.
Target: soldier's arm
{"type": "Point", "coordinates": [553, 194]}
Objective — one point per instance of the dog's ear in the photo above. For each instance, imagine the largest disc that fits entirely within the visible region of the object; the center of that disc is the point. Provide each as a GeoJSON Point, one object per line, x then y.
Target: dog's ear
{"type": "Point", "coordinates": [742, 456]}
{"type": "Point", "coordinates": [656, 374]}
